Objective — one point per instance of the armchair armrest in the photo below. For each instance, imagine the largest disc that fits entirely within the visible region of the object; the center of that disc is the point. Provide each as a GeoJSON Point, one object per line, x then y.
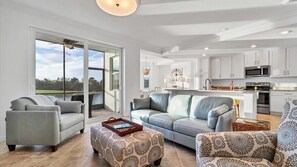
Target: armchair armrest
{"type": "Point", "coordinates": [70, 106]}
{"type": "Point", "coordinates": [32, 127]}
{"type": "Point", "coordinates": [260, 144]}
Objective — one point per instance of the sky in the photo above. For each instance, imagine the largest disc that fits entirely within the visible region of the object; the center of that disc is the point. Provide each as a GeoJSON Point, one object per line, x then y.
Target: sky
{"type": "Point", "coordinates": [49, 61]}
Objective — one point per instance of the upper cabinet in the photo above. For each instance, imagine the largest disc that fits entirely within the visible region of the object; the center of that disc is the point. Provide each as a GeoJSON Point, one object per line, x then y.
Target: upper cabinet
{"type": "Point", "coordinates": [257, 58]}
{"type": "Point", "coordinates": [228, 67]}
{"type": "Point", "coordinates": [284, 62]}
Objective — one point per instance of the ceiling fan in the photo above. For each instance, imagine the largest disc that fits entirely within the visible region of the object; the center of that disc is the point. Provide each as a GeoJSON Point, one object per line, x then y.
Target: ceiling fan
{"type": "Point", "coordinates": [70, 43]}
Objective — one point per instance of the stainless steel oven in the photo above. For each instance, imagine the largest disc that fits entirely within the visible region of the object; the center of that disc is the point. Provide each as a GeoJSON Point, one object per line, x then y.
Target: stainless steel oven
{"type": "Point", "coordinates": [263, 95]}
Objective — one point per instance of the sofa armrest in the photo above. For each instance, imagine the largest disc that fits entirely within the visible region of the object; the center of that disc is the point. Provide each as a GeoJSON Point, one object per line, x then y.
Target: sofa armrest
{"type": "Point", "coordinates": [225, 120]}
{"type": "Point", "coordinates": [32, 127]}
{"type": "Point", "coordinates": [140, 103]}
{"type": "Point", "coordinates": [260, 144]}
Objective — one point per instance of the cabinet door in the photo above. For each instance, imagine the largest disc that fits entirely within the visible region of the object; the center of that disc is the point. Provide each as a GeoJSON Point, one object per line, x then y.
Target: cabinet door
{"type": "Point", "coordinates": [204, 65]}
{"type": "Point", "coordinates": [277, 104]}
{"type": "Point", "coordinates": [238, 66]}
{"type": "Point", "coordinates": [278, 64]}
{"type": "Point", "coordinates": [263, 57]}
{"type": "Point", "coordinates": [226, 67]}
{"type": "Point", "coordinates": [215, 68]}
{"type": "Point", "coordinates": [250, 58]}
{"type": "Point", "coordinates": [292, 62]}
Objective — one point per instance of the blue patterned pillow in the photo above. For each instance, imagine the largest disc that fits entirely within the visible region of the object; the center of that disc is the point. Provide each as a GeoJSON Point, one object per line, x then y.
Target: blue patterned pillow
{"type": "Point", "coordinates": [286, 151]}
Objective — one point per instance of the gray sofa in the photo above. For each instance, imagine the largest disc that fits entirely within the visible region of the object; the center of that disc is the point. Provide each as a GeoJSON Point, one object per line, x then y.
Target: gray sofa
{"type": "Point", "coordinates": [181, 117]}
{"type": "Point", "coordinates": [41, 120]}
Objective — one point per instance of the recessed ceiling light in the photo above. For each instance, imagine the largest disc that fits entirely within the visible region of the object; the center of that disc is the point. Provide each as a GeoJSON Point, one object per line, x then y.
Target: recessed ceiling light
{"type": "Point", "coordinates": [203, 55]}
{"type": "Point", "coordinates": [225, 29]}
{"type": "Point", "coordinates": [286, 32]}
{"type": "Point", "coordinates": [206, 48]}
{"type": "Point", "coordinates": [253, 46]}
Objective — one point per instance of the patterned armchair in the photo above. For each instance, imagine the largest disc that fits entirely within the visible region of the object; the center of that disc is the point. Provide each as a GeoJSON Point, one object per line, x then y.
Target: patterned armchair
{"type": "Point", "coordinates": [251, 149]}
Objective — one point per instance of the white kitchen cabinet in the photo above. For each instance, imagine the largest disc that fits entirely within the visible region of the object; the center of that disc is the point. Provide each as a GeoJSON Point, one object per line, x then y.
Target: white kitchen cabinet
{"type": "Point", "coordinates": [278, 99]}
{"type": "Point", "coordinates": [215, 68]}
{"type": "Point", "coordinates": [238, 66]}
{"type": "Point", "coordinates": [226, 67]}
{"type": "Point", "coordinates": [291, 62]}
{"type": "Point", "coordinates": [257, 58]}
{"type": "Point", "coordinates": [203, 71]}
{"type": "Point", "coordinates": [284, 62]}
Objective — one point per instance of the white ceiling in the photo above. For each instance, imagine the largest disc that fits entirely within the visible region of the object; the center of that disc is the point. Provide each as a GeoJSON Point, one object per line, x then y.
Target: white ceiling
{"type": "Point", "coordinates": [188, 24]}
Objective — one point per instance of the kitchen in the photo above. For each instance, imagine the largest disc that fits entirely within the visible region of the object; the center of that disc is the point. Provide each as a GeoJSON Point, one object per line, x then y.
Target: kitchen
{"type": "Point", "coordinates": [269, 72]}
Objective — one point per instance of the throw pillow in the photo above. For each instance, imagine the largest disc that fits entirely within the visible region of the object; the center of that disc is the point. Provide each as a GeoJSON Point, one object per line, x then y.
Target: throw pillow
{"type": "Point", "coordinates": [141, 103]}
{"type": "Point", "coordinates": [286, 150]}
{"type": "Point", "coordinates": [214, 114]}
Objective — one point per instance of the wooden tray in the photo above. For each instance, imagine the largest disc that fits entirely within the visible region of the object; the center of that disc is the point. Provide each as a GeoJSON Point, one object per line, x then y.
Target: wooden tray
{"type": "Point", "coordinates": [123, 131]}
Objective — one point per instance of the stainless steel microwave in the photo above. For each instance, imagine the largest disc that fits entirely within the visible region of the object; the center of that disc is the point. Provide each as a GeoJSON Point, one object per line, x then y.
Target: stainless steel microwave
{"type": "Point", "coordinates": [257, 71]}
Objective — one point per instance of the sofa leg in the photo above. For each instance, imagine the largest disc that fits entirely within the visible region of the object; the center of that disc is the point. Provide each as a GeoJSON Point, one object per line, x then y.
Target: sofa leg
{"type": "Point", "coordinates": [54, 148]}
{"type": "Point", "coordinates": [11, 147]}
{"type": "Point", "coordinates": [82, 130]}
{"type": "Point", "coordinates": [158, 162]}
{"type": "Point", "coordinates": [95, 151]}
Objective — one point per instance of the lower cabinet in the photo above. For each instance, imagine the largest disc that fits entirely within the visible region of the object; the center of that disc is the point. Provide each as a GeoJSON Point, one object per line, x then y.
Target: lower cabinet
{"type": "Point", "coordinates": [278, 99]}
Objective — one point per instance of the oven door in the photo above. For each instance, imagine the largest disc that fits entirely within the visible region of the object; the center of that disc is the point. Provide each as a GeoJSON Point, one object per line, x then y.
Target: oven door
{"type": "Point", "coordinates": [263, 104]}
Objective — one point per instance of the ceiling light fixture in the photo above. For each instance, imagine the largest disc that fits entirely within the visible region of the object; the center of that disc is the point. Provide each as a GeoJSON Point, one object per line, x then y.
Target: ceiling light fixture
{"type": "Point", "coordinates": [285, 2]}
{"type": "Point", "coordinates": [203, 55]}
{"type": "Point", "coordinates": [206, 48]}
{"type": "Point", "coordinates": [253, 46]}
{"type": "Point", "coordinates": [286, 32]}
{"type": "Point", "coordinates": [118, 7]}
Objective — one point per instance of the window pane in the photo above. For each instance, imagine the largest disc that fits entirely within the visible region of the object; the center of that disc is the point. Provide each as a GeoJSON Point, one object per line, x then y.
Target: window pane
{"type": "Point", "coordinates": [96, 59]}
{"type": "Point", "coordinates": [49, 68]}
{"type": "Point", "coordinates": [73, 72]}
{"type": "Point", "coordinates": [96, 86]}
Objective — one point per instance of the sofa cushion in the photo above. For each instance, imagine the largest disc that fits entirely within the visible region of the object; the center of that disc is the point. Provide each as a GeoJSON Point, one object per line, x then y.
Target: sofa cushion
{"type": "Point", "coordinates": [143, 114]}
{"type": "Point", "coordinates": [214, 114]}
{"type": "Point", "coordinates": [286, 150]}
{"type": "Point", "coordinates": [164, 120]}
{"type": "Point", "coordinates": [159, 101]}
{"type": "Point", "coordinates": [69, 106]}
{"type": "Point", "coordinates": [144, 103]}
{"type": "Point", "coordinates": [191, 126]}
{"type": "Point", "coordinates": [70, 119]}
{"type": "Point", "coordinates": [208, 103]}
{"type": "Point", "coordinates": [195, 101]}
{"type": "Point", "coordinates": [179, 105]}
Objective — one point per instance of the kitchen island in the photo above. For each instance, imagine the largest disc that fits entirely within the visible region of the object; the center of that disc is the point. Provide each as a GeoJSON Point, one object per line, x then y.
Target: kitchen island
{"type": "Point", "coordinates": [248, 99]}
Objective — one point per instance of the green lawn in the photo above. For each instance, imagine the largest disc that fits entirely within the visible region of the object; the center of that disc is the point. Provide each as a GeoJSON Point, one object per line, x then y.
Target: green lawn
{"type": "Point", "coordinates": [60, 92]}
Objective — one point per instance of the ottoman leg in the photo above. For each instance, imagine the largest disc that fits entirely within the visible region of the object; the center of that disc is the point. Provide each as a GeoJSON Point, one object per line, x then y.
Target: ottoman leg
{"type": "Point", "coordinates": [158, 162]}
{"type": "Point", "coordinates": [95, 151]}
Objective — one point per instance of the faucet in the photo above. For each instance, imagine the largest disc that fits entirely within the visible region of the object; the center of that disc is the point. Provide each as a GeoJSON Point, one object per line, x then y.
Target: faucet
{"type": "Point", "coordinates": [207, 84]}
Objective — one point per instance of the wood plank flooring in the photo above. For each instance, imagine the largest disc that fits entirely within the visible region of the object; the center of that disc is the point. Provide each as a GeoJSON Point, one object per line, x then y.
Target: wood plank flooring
{"type": "Point", "coordinates": [77, 152]}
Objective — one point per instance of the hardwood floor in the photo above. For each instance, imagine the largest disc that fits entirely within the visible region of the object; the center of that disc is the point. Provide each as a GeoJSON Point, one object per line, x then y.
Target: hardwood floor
{"type": "Point", "coordinates": [77, 152]}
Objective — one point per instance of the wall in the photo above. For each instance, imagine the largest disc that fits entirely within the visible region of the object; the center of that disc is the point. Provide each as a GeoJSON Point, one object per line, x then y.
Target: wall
{"type": "Point", "coordinates": [16, 60]}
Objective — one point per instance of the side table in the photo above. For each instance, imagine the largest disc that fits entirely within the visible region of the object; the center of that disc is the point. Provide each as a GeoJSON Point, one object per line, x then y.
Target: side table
{"type": "Point", "coordinates": [245, 124]}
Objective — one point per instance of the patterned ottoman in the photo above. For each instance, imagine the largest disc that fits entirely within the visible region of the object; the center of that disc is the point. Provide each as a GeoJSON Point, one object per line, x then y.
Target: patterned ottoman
{"type": "Point", "coordinates": [137, 149]}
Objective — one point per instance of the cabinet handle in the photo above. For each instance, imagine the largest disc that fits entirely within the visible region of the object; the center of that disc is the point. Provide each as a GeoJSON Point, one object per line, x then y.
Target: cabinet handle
{"type": "Point", "coordinates": [288, 72]}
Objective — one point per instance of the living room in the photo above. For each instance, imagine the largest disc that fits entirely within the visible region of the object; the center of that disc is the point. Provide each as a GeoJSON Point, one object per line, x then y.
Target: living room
{"type": "Point", "coordinates": [186, 35]}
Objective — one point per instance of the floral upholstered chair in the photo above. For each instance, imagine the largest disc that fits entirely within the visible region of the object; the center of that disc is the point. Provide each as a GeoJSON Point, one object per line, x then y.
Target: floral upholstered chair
{"type": "Point", "coordinates": [252, 149]}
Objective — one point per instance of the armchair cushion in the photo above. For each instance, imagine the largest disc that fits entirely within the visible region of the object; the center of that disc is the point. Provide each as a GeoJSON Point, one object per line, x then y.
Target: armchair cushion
{"type": "Point", "coordinates": [214, 114]}
{"type": "Point", "coordinates": [70, 106]}
{"type": "Point", "coordinates": [258, 144]}
{"type": "Point", "coordinates": [286, 151]}
{"type": "Point", "coordinates": [141, 103]}
{"type": "Point", "coordinates": [44, 108]}
{"type": "Point", "coordinates": [70, 119]}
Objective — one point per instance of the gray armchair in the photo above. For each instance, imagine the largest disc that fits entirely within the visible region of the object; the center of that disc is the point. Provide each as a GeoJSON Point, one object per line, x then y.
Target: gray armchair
{"type": "Point", "coordinates": [39, 120]}
{"type": "Point", "coordinates": [249, 149]}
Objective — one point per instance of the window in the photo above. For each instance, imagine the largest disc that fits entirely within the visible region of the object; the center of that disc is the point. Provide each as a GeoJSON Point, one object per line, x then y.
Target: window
{"type": "Point", "coordinates": [59, 69]}
{"type": "Point", "coordinates": [115, 68]}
